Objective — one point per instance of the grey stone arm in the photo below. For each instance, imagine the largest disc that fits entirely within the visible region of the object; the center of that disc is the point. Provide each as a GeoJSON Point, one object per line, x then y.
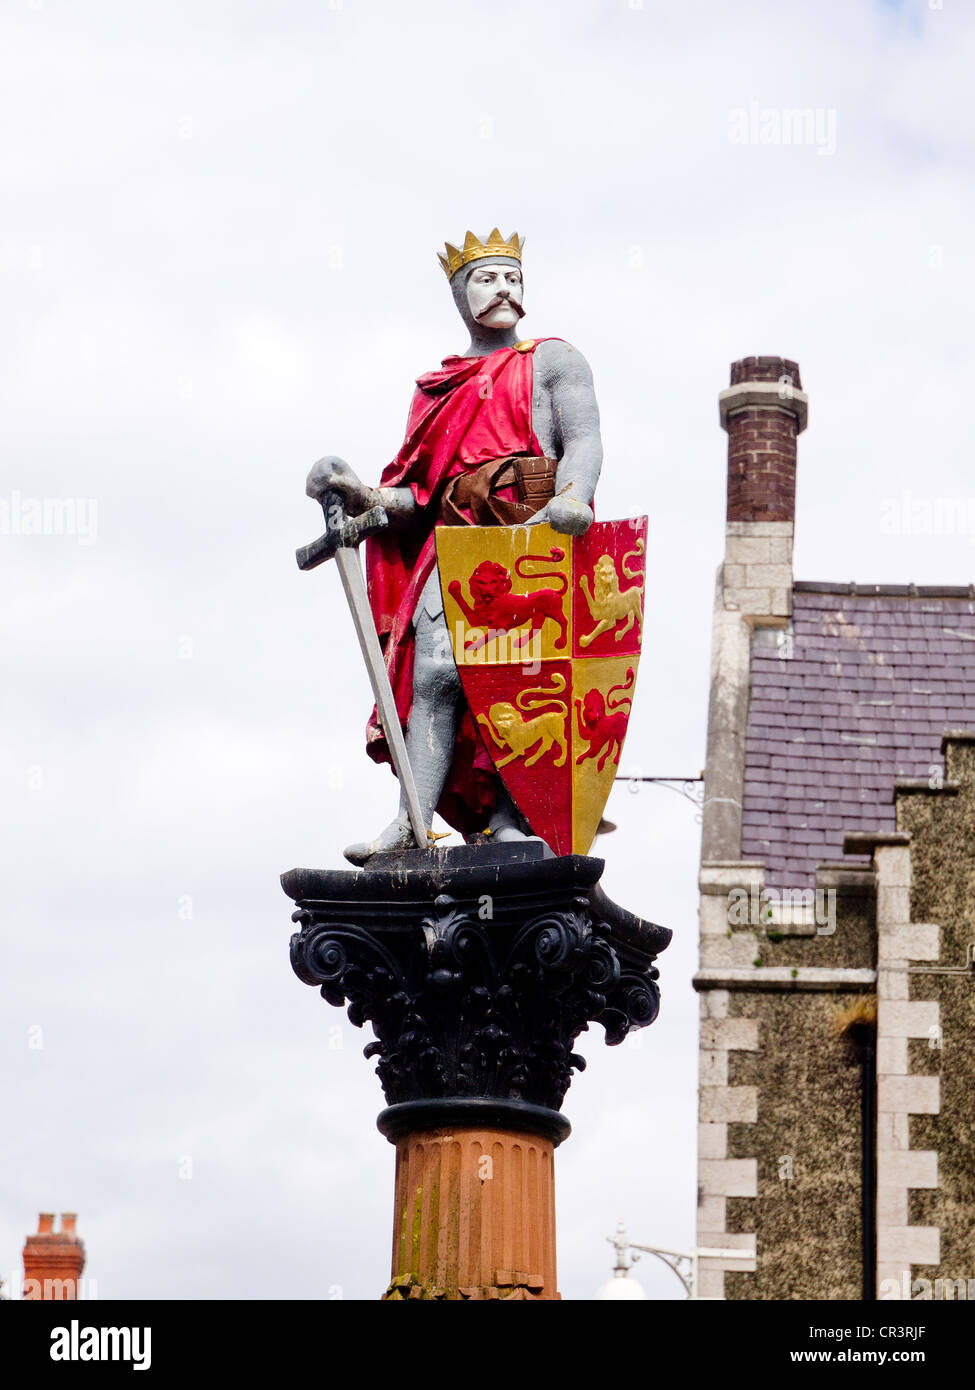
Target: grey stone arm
{"type": "Point", "coordinates": [399, 502]}
{"type": "Point", "coordinates": [332, 474]}
{"type": "Point", "coordinates": [564, 375]}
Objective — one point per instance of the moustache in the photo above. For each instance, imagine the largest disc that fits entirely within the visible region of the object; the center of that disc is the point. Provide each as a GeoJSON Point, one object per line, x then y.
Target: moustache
{"type": "Point", "coordinates": [496, 303]}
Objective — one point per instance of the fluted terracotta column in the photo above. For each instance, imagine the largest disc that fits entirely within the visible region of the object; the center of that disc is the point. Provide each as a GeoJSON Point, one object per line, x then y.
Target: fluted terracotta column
{"type": "Point", "coordinates": [474, 1215]}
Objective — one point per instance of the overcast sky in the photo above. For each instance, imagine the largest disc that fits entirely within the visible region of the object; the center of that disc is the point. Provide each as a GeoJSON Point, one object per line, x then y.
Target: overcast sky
{"type": "Point", "coordinates": [218, 263]}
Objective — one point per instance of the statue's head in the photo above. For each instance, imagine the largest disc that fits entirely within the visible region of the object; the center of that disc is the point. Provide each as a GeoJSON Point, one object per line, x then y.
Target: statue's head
{"type": "Point", "coordinates": [486, 281]}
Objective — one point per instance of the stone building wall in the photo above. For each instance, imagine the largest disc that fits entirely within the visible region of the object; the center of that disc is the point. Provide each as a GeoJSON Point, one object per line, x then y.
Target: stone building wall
{"type": "Point", "coordinates": [806, 1141]}
{"type": "Point", "coordinates": [942, 828]}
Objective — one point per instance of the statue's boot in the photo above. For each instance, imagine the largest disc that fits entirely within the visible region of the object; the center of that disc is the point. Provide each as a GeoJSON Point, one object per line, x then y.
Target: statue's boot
{"type": "Point", "coordinates": [397, 835]}
{"type": "Point", "coordinates": [505, 833]}
{"type": "Point", "coordinates": [507, 824]}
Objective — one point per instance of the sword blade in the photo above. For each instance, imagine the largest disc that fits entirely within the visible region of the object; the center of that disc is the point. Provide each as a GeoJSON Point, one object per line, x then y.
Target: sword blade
{"type": "Point", "coordinates": [354, 585]}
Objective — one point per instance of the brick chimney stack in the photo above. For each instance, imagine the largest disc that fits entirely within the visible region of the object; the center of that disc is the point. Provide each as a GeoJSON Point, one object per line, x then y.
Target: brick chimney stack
{"type": "Point", "coordinates": [53, 1260]}
{"type": "Point", "coordinates": [764, 410]}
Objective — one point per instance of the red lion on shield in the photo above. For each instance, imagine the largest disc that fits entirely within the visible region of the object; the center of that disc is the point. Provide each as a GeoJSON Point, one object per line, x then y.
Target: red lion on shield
{"type": "Point", "coordinates": [496, 609]}
{"type": "Point", "coordinates": [602, 722]}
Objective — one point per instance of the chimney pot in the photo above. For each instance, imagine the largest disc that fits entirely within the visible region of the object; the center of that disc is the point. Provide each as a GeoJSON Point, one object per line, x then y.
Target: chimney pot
{"type": "Point", "coordinates": [53, 1263]}
{"type": "Point", "coordinates": [765, 369]}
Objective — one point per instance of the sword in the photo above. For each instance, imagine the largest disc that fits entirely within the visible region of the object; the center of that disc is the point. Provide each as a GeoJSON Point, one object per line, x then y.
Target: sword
{"type": "Point", "coordinates": [342, 536]}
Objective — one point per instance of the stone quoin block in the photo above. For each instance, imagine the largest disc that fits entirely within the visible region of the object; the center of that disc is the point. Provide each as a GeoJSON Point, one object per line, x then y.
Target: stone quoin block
{"type": "Point", "coordinates": [915, 941]}
{"type": "Point", "coordinates": [737, 950]}
{"type": "Point", "coordinates": [892, 984]}
{"type": "Point", "coordinates": [913, 1168]}
{"type": "Point", "coordinates": [746, 550]}
{"type": "Point", "coordinates": [768, 576]}
{"type": "Point", "coordinates": [714, 1068]}
{"type": "Point", "coordinates": [729, 1240]}
{"type": "Point", "coordinates": [710, 1283]}
{"type": "Point", "coordinates": [733, 1034]}
{"type": "Point", "coordinates": [893, 1131]}
{"type": "Point", "coordinates": [711, 1213]}
{"type": "Point", "coordinates": [893, 911]}
{"type": "Point", "coordinates": [750, 600]}
{"type": "Point", "coordinates": [714, 1004]}
{"type": "Point", "coordinates": [894, 867]}
{"type": "Point", "coordinates": [909, 1245]}
{"type": "Point", "coordinates": [892, 1056]}
{"type": "Point", "coordinates": [712, 1140]}
{"type": "Point", "coordinates": [910, 1095]}
{"type": "Point", "coordinates": [892, 1205]}
{"type": "Point", "coordinates": [907, 1018]}
{"type": "Point", "coordinates": [729, 1177]}
{"type": "Point", "coordinates": [714, 914]}
{"type": "Point", "coordinates": [726, 1262]}
{"type": "Point", "coordinates": [730, 1104]}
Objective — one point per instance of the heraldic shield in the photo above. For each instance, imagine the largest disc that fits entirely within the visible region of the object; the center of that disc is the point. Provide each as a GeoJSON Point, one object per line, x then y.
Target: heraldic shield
{"type": "Point", "coordinates": [546, 632]}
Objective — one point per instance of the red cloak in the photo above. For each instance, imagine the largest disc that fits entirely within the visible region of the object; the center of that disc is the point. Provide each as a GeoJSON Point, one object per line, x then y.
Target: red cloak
{"type": "Point", "coordinates": [472, 410]}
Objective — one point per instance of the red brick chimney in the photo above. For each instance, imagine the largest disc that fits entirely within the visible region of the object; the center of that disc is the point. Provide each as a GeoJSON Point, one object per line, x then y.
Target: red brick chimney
{"type": "Point", "coordinates": [764, 410]}
{"type": "Point", "coordinates": [53, 1260]}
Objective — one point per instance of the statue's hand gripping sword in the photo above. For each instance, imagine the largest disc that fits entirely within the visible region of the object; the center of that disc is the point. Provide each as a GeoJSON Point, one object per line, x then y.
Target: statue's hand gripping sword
{"type": "Point", "coordinates": [342, 535]}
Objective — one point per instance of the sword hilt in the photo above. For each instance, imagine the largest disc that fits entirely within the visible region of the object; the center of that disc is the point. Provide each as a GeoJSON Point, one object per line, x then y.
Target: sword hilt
{"type": "Point", "coordinates": [340, 530]}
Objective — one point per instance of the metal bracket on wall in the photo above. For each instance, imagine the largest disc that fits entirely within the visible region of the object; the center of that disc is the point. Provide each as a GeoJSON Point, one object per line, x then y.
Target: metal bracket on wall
{"type": "Point", "coordinates": [967, 969]}
{"type": "Point", "coordinates": [681, 785]}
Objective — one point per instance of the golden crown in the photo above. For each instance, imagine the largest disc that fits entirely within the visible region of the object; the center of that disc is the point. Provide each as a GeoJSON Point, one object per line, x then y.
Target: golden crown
{"type": "Point", "coordinates": [474, 249]}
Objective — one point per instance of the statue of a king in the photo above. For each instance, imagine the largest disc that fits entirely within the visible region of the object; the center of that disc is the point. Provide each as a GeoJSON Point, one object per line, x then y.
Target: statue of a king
{"type": "Point", "coordinates": [507, 434]}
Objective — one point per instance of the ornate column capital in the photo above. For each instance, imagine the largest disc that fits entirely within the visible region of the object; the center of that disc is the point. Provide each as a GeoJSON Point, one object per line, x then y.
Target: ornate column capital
{"type": "Point", "coordinates": [478, 969]}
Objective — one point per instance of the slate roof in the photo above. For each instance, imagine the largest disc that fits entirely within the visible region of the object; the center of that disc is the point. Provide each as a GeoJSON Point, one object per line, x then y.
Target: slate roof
{"type": "Point", "coordinates": [856, 694]}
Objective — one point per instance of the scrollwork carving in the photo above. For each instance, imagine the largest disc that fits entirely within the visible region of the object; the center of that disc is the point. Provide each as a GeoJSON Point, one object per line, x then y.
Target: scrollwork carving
{"type": "Point", "coordinates": [471, 1008]}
